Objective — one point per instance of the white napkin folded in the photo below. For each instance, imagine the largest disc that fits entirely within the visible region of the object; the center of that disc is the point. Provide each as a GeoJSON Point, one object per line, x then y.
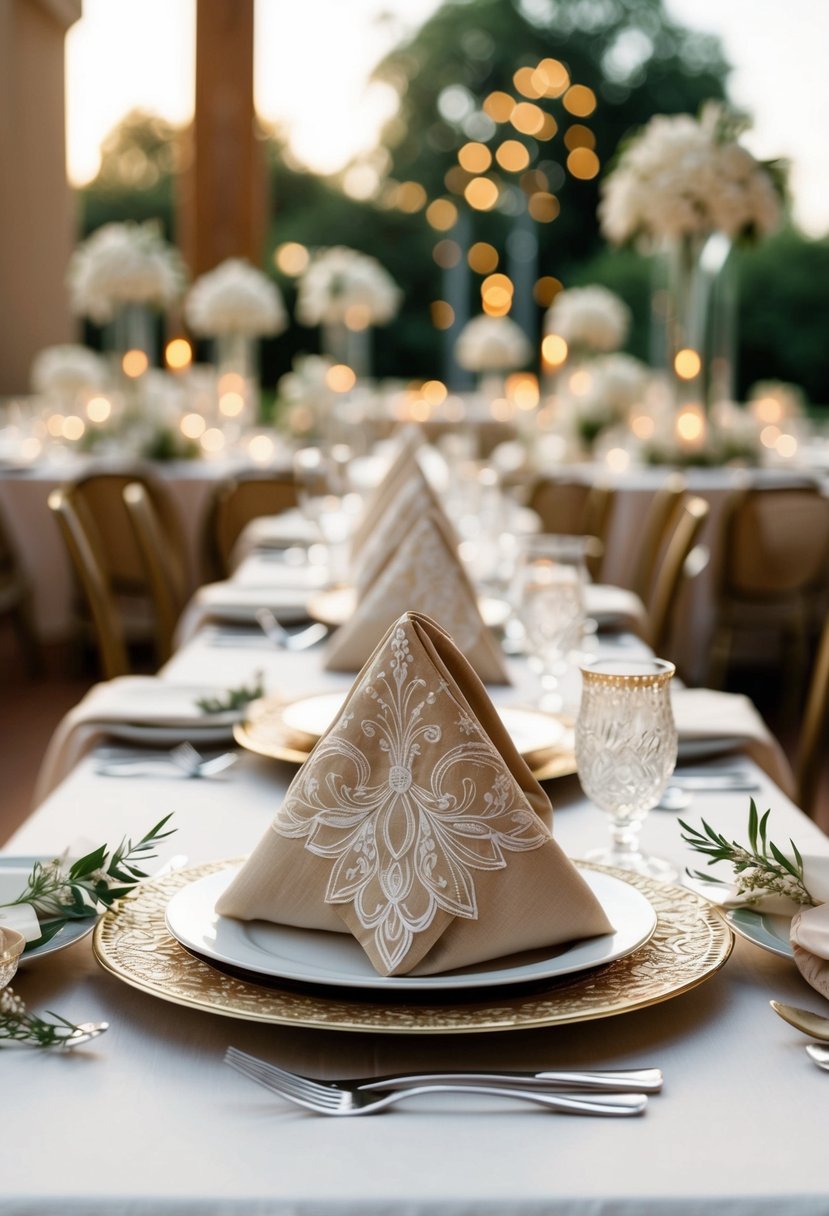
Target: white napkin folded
{"type": "Point", "coordinates": [616, 608]}
{"type": "Point", "coordinates": [281, 531]}
{"type": "Point", "coordinates": [133, 702]}
{"type": "Point", "coordinates": [703, 714]}
{"type": "Point", "coordinates": [809, 936]}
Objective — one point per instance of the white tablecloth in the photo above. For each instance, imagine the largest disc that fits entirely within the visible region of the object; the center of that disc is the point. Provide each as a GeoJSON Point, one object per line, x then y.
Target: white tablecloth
{"type": "Point", "coordinates": [148, 1119]}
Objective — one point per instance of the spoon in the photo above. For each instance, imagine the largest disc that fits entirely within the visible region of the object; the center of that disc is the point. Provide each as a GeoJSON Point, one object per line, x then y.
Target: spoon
{"type": "Point", "coordinates": [813, 1024]}
{"type": "Point", "coordinates": [280, 636]}
{"type": "Point", "coordinates": [819, 1054]}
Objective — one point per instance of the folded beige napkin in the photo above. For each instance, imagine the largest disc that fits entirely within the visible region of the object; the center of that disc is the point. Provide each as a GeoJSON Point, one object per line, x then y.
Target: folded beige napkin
{"type": "Point", "coordinates": [703, 714]}
{"type": "Point", "coordinates": [134, 702]}
{"type": "Point", "coordinates": [416, 826]}
{"type": "Point", "coordinates": [402, 469]}
{"type": "Point", "coordinates": [616, 608]}
{"type": "Point", "coordinates": [422, 574]}
{"type": "Point", "coordinates": [413, 500]}
{"type": "Point", "coordinates": [809, 934]}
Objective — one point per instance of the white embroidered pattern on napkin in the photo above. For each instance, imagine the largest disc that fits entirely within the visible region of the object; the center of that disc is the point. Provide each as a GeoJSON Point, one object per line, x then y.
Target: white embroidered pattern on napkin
{"type": "Point", "coordinates": [404, 849]}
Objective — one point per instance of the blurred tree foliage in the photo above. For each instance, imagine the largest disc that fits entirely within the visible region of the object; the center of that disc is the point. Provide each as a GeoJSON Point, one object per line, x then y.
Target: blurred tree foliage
{"type": "Point", "coordinates": [636, 60]}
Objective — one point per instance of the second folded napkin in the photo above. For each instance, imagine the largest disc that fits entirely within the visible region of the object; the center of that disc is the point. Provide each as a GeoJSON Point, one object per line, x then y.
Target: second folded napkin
{"type": "Point", "coordinates": [423, 574]}
{"type": "Point", "coordinates": [416, 826]}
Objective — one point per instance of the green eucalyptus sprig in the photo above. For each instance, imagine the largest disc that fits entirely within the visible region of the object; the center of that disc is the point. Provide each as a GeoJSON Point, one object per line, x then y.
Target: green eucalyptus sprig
{"type": "Point", "coordinates": [234, 698]}
{"type": "Point", "coordinates": [60, 893]}
{"type": "Point", "coordinates": [759, 869]}
{"type": "Point", "coordinates": [18, 1025]}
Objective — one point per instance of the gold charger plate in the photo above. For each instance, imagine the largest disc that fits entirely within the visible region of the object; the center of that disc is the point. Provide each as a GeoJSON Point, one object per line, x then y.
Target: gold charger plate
{"type": "Point", "coordinates": [268, 731]}
{"type": "Point", "coordinates": [690, 944]}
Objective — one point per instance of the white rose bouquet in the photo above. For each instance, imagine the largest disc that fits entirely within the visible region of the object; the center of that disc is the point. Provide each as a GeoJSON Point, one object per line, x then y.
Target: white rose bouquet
{"type": "Point", "coordinates": [342, 286]}
{"type": "Point", "coordinates": [492, 344]}
{"type": "Point", "coordinates": [123, 264]}
{"type": "Point", "coordinates": [682, 176]}
{"type": "Point", "coordinates": [235, 298]}
{"type": "Point", "coordinates": [67, 369]}
{"type": "Point", "coordinates": [589, 318]}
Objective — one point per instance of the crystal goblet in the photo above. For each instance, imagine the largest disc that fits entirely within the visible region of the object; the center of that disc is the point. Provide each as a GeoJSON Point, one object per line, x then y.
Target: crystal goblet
{"type": "Point", "coordinates": [549, 598]}
{"type": "Point", "coordinates": [626, 745]}
{"type": "Point", "coordinates": [327, 498]}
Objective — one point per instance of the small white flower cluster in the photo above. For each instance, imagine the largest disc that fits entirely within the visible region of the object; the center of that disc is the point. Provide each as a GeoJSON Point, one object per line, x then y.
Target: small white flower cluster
{"type": "Point", "coordinates": [122, 264]}
{"type": "Point", "coordinates": [235, 298]}
{"type": "Point", "coordinates": [492, 344]}
{"type": "Point", "coordinates": [67, 370]}
{"type": "Point", "coordinates": [681, 176]}
{"type": "Point", "coordinates": [589, 318]}
{"type": "Point", "coordinates": [343, 286]}
{"type": "Point", "coordinates": [11, 1005]}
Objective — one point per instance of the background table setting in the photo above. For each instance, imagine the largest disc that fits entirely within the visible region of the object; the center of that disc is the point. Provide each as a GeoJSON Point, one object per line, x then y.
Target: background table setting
{"type": "Point", "coordinates": [661, 974]}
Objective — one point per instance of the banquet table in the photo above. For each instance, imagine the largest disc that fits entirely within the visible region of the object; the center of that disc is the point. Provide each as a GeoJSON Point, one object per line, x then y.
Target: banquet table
{"type": "Point", "coordinates": [147, 1119]}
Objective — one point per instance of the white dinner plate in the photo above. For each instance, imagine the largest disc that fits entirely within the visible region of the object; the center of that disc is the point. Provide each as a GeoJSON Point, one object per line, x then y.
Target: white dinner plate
{"type": "Point", "coordinates": [531, 730]}
{"type": "Point", "coordinates": [705, 749]}
{"type": "Point", "coordinates": [14, 872]}
{"type": "Point", "coordinates": [336, 960]}
{"type": "Point", "coordinates": [768, 930]}
{"type": "Point", "coordinates": [336, 605]}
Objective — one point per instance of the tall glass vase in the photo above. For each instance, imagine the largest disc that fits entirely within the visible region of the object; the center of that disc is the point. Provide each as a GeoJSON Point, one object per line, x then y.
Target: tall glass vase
{"type": "Point", "coordinates": [693, 324]}
{"type": "Point", "coordinates": [237, 379]}
{"type": "Point", "coordinates": [133, 328]}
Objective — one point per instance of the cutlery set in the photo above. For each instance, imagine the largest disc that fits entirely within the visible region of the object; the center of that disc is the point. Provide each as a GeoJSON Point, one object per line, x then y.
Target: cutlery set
{"type": "Point", "coordinates": [813, 1024]}
{"type": "Point", "coordinates": [183, 758]}
{"type": "Point", "coordinates": [611, 1094]}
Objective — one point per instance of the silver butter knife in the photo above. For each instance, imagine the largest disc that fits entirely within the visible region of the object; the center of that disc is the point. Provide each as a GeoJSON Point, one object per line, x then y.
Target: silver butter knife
{"type": "Point", "coordinates": [643, 1080]}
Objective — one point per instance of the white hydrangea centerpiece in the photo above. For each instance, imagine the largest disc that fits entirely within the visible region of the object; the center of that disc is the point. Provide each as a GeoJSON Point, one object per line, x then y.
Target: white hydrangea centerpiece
{"type": "Point", "coordinates": [235, 298]}
{"type": "Point", "coordinates": [589, 318]}
{"type": "Point", "coordinates": [123, 264]}
{"type": "Point", "coordinates": [492, 344]}
{"type": "Point", "coordinates": [682, 176]}
{"type": "Point", "coordinates": [66, 370]}
{"type": "Point", "coordinates": [344, 286]}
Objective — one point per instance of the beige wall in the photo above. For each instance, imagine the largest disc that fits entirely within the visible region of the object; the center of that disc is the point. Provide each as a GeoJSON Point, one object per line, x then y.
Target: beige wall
{"type": "Point", "coordinates": [37, 230]}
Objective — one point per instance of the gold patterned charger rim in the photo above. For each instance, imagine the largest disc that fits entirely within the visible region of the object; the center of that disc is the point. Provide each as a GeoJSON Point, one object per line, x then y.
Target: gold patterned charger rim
{"type": "Point", "coordinates": [690, 944]}
{"type": "Point", "coordinates": [265, 732]}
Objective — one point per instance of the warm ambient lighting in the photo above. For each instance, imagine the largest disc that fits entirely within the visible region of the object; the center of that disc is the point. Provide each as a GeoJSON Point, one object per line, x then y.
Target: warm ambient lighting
{"type": "Point", "coordinates": [786, 446]}
{"type": "Point", "coordinates": [434, 391]}
{"type": "Point", "coordinates": [580, 100]}
{"type": "Point", "coordinates": [687, 364]}
{"type": "Point", "coordinates": [583, 163]}
{"type": "Point", "coordinates": [481, 193]}
{"type": "Point", "coordinates": [499, 106]}
{"type": "Point", "coordinates": [291, 258]}
{"type": "Point", "coordinates": [98, 409]}
{"type": "Point", "coordinates": [522, 390]}
{"type": "Point", "coordinates": [134, 363]}
{"type": "Point", "coordinates": [178, 354]}
{"type": "Point", "coordinates": [192, 426]}
{"type": "Point", "coordinates": [554, 350]}
{"type": "Point", "coordinates": [527, 118]}
{"type": "Point", "coordinates": [643, 426]}
{"type": "Point", "coordinates": [447, 254]}
{"type": "Point", "coordinates": [72, 428]}
{"type": "Point", "coordinates": [551, 78]}
{"type": "Point", "coordinates": [543, 207]}
{"type": "Point", "coordinates": [482, 257]}
{"type": "Point", "coordinates": [357, 317]}
{"type": "Point", "coordinates": [442, 314]}
{"type": "Point", "coordinates": [546, 289]}
{"type": "Point", "coordinates": [231, 404]}
{"type": "Point", "coordinates": [212, 440]}
{"type": "Point", "coordinates": [617, 459]}
{"type": "Point", "coordinates": [340, 378]}
{"type": "Point", "coordinates": [261, 449]}
{"type": "Point", "coordinates": [690, 425]}
{"type": "Point", "coordinates": [512, 155]}
{"type": "Point", "coordinates": [442, 214]}
{"type": "Point", "coordinates": [475, 158]}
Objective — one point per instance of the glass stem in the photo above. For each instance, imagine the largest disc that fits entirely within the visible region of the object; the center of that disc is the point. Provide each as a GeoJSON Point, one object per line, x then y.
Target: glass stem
{"type": "Point", "coordinates": [625, 837]}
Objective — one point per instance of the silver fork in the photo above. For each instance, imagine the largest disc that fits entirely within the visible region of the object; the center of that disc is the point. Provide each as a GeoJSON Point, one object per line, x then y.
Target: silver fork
{"type": "Point", "coordinates": [280, 636]}
{"type": "Point", "coordinates": [183, 757]}
{"type": "Point", "coordinates": [348, 1100]}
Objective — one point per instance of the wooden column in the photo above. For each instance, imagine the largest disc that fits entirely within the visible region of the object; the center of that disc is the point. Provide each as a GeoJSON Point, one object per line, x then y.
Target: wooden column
{"type": "Point", "coordinates": [223, 193]}
{"type": "Point", "coordinates": [37, 214]}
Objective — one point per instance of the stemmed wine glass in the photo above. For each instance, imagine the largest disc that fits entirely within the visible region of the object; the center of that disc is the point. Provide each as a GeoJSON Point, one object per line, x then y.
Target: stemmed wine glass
{"type": "Point", "coordinates": [11, 948]}
{"type": "Point", "coordinates": [327, 499]}
{"type": "Point", "coordinates": [626, 744]}
{"type": "Point", "coordinates": [548, 594]}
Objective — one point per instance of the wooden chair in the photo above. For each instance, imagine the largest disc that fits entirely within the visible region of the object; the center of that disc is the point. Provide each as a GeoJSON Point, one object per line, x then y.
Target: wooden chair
{"type": "Point", "coordinates": [575, 508]}
{"type": "Point", "coordinates": [162, 573]}
{"type": "Point", "coordinates": [235, 502]}
{"type": "Point", "coordinates": [16, 601]}
{"type": "Point", "coordinates": [773, 577]}
{"type": "Point", "coordinates": [99, 496]}
{"type": "Point", "coordinates": [668, 577]}
{"type": "Point", "coordinates": [86, 555]}
{"type": "Point", "coordinates": [657, 527]}
{"type": "Point", "coordinates": [811, 753]}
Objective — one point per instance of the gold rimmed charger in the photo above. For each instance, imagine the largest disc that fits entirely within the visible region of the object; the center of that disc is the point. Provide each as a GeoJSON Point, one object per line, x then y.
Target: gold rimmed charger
{"type": "Point", "coordinates": [690, 944]}
{"type": "Point", "coordinates": [289, 729]}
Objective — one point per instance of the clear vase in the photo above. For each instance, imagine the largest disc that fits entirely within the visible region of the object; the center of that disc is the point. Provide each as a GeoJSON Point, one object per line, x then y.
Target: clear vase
{"type": "Point", "coordinates": [133, 328]}
{"type": "Point", "coordinates": [693, 323]}
{"type": "Point", "coordinates": [343, 344]}
{"type": "Point", "coordinates": [237, 379]}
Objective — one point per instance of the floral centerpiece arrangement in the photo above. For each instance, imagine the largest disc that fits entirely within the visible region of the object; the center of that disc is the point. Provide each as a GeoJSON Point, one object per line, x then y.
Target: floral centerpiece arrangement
{"type": "Point", "coordinates": [600, 396]}
{"type": "Point", "coordinates": [124, 264]}
{"type": "Point", "coordinates": [346, 292]}
{"type": "Point", "coordinates": [492, 344]}
{"type": "Point", "coordinates": [235, 298]}
{"type": "Point", "coordinates": [65, 371]}
{"type": "Point", "coordinates": [689, 188]}
{"type": "Point", "coordinates": [590, 319]}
